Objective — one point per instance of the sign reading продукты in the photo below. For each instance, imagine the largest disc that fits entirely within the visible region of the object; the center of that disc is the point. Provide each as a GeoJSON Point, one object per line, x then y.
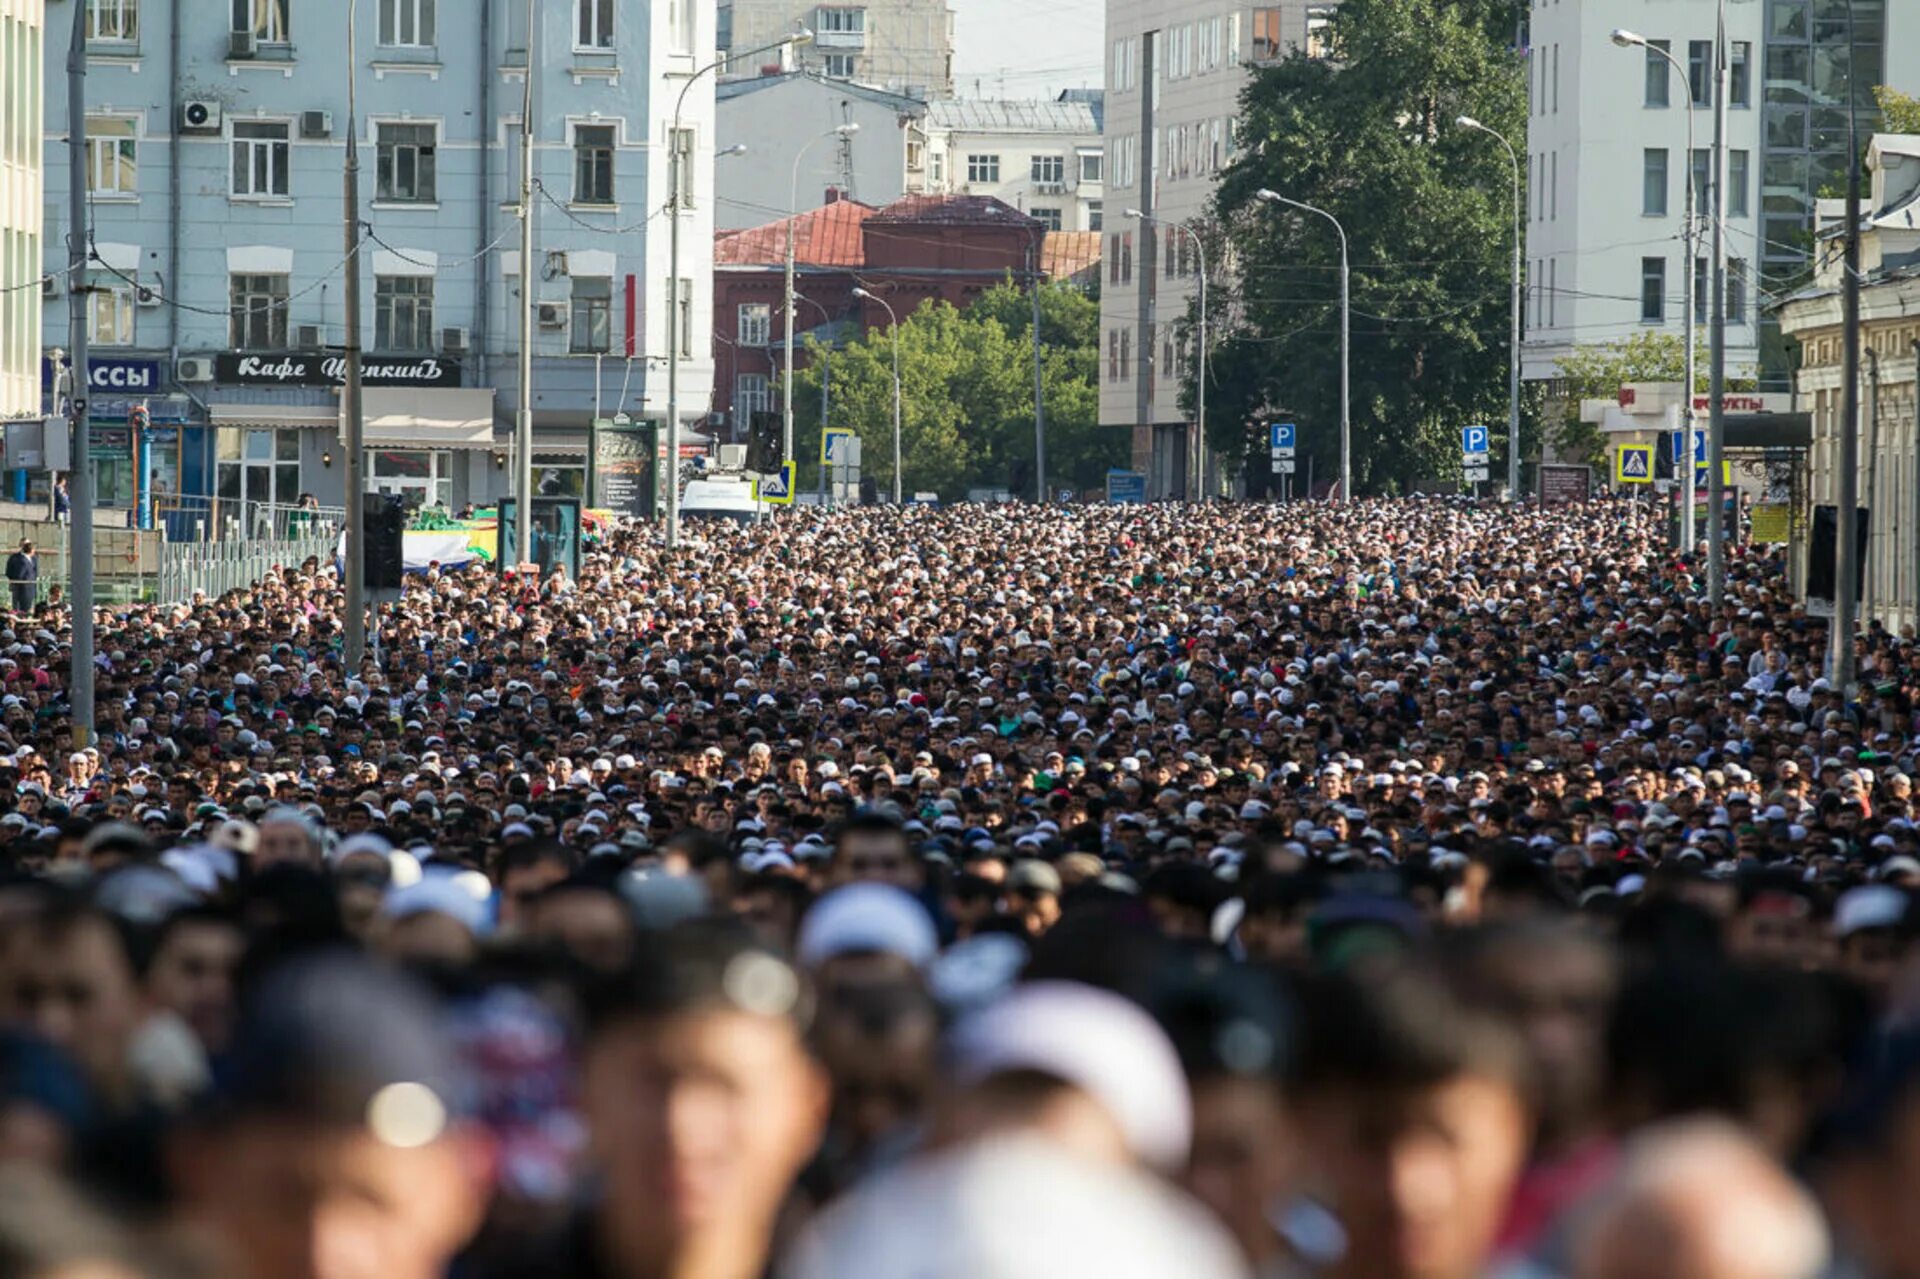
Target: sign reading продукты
{"type": "Point", "coordinates": [303, 368]}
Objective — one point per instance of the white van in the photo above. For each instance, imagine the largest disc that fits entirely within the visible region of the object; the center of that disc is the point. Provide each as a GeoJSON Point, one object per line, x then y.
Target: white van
{"type": "Point", "coordinates": [726, 499]}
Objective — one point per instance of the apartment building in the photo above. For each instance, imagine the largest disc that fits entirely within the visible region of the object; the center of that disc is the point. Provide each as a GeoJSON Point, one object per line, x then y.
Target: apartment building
{"type": "Point", "coordinates": [1174, 75]}
{"type": "Point", "coordinates": [787, 122]}
{"type": "Point", "coordinates": [1044, 158]}
{"type": "Point", "coordinates": [215, 157]}
{"type": "Point", "coordinates": [902, 45]}
{"type": "Point", "coordinates": [21, 87]}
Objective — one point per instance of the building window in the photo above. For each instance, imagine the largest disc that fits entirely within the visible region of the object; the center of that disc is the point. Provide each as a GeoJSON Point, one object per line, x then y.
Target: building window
{"type": "Point", "coordinates": [1659, 81]}
{"type": "Point", "coordinates": [403, 313]}
{"type": "Point", "coordinates": [113, 20]}
{"type": "Point", "coordinates": [1702, 280]}
{"type": "Point", "coordinates": [683, 315]}
{"type": "Point", "coordinates": [1736, 291]}
{"type": "Point", "coordinates": [751, 394]}
{"type": "Point", "coordinates": [937, 167]}
{"type": "Point", "coordinates": [593, 164]}
{"type": "Point", "coordinates": [1737, 184]}
{"type": "Point", "coordinates": [1702, 181]}
{"type": "Point", "coordinates": [406, 24]}
{"type": "Point", "coordinates": [1048, 218]}
{"type": "Point", "coordinates": [1113, 259]}
{"type": "Point", "coordinates": [592, 330]}
{"type": "Point", "coordinates": [1126, 354]}
{"type": "Point", "coordinates": [680, 20]}
{"type": "Point", "coordinates": [595, 28]}
{"type": "Point", "coordinates": [843, 22]}
{"type": "Point", "coordinates": [253, 465]}
{"type": "Point", "coordinates": [1700, 72]}
{"type": "Point", "coordinates": [1126, 257]}
{"type": "Point", "coordinates": [1319, 31]}
{"type": "Point", "coordinates": [916, 155]}
{"type": "Point", "coordinates": [404, 170]}
{"type": "Point", "coordinates": [260, 155]}
{"type": "Point", "coordinates": [1653, 290]}
{"type": "Point", "coordinates": [110, 311]}
{"type": "Point", "coordinates": [258, 306]}
{"type": "Point", "coordinates": [422, 475]}
{"type": "Point", "coordinates": [1266, 35]}
{"type": "Point", "coordinates": [1091, 166]}
{"type": "Point", "coordinates": [1049, 168]}
{"type": "Point", "coordinates": [1113, 355]}
{"type": "Point", "coordinates": [983, 168]}
{"type": "Point", "coordinates": [1740, 74]}
{"type": "Point", "coordinates": [755, 324]}
{"type": "Point", "coordinates": [1653, 182]}
{"type": "Point", "coordinates": [837, 66]}
{"type": "Point", "coordinates": [267, 19]}
{"type": "Point", "coordinates": [1095, 212]}
{"type": "Point", "coordinates": [112, 156]}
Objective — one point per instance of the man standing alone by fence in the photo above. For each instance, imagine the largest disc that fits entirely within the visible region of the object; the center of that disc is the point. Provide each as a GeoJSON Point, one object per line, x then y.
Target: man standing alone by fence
{"type": "Point", "coordinates": [23, 577]}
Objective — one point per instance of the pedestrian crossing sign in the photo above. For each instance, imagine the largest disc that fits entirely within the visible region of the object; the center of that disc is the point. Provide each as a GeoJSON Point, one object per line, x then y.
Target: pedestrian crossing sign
{"type": "Point", "coordinates": [777, 488]}
{"type": "Point", "coordinates": [1633, 464]}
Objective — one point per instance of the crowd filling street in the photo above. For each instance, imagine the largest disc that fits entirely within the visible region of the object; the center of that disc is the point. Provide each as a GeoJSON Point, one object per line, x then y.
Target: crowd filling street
{"type": "Point", "coordinates": [1356, 890]}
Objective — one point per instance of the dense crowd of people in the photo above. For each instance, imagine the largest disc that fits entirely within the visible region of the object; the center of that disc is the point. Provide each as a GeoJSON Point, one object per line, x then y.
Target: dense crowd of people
{"type": "Point", "coordinates": [1390, 888]}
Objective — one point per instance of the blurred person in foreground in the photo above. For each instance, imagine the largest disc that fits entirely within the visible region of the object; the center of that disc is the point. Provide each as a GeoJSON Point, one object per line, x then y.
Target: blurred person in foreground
{"type": "Point", "coordinates": [1064, 1111]}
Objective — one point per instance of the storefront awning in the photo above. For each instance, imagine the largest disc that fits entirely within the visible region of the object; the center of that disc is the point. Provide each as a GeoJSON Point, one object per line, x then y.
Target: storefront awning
{"type": "Point", "coordinates": [271, 415]}
{"type": "Point", "coordinates": [428, 418]}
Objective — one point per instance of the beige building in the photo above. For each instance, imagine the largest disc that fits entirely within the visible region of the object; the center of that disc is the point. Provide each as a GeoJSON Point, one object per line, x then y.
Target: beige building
{"type": "Point", "coordinates": [1042, 157]}
{"type": "Point", "coordinates": [1174, 74]}
{"type": "Point", "coordinates": [21, 206]}
{"type": "Point", "coordinates": [1889, 475]}
{"type": "Point", "coordinates": [905, 46]}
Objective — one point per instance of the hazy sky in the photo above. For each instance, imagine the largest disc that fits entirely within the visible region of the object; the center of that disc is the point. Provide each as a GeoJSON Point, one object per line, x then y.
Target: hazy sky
{"type": "Point", "coordinates": [1026, 48]}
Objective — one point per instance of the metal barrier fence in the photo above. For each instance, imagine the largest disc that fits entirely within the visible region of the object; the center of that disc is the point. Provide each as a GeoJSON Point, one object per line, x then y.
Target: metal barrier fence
{"type": "Point", "coordinates": [214, 519]}
{"type": "Point", "coordinates": [222, 566]}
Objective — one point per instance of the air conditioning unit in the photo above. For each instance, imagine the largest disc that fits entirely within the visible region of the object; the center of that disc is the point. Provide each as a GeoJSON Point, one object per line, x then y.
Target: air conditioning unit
{"type": "Point", "coordinates": [200, 116]}
{"type": "Point", "coordinates": [316, 124]}
{"type": "Point", "coordinates": [553, 315]}
{"type": "Point", "coordinates": [308, 337]}
{"type": "Point", "coordinates": [455, 341]}
{"type": "Point", "coordinates": [144, 296]}
{"type": "Point", "coordinates": [50, 286]}
{"type": "Point", "coordinates": [243, 44]}
{"type": "Point", "coordinates": [1050, 188]}
{"type": "Point", "coordinates": [193, 368]}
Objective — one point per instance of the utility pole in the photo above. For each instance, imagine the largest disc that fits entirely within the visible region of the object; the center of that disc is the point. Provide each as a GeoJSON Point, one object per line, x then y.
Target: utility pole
{"type": "Point", "coordinates": [523, 419]}
{"type": "Point", "coordinates": [353, 448]}
{"type": "Point", "coordinates": [1717, 333]}
{"type": "Point", "coordinates": [79, 388]}
{"type": "Point", "coordinates": [1846, 550]}
{"type": "Point", "coordinates": [1039, 390]}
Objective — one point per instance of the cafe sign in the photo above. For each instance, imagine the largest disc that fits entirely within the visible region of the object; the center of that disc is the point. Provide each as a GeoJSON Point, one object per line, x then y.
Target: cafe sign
{"type": "Point", "coordinates": [307, 368]}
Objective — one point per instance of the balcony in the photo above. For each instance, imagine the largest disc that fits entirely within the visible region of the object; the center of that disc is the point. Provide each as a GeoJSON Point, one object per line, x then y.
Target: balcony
{"type": "Point", "coordinates": [856, 40]}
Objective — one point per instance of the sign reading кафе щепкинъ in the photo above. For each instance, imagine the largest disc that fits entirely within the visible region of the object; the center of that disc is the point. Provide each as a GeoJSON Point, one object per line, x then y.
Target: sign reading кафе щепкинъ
{"type": "Point", "coordinates": [310, 368]}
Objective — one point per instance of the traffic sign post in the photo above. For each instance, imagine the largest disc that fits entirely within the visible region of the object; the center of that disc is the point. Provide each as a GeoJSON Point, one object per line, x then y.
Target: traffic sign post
{"type": "Point", "coordinates": [1633, 464]}
{"type": "Point", "coordinates": [833, 444]}
{"type": "Point", "coordinates": [1475, 441]}
{"type": "Point", "coordinates": [776, 489]}
{"type": "Point", "coordinates": [1699, 447]}
{"type": "Point", "coordinates": [1281, 437]}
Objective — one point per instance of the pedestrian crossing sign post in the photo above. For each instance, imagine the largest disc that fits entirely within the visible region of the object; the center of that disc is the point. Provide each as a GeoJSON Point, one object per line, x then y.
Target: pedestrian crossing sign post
{"type": "Point", "coordinates": [1633, 464]}
{"type": "Point", "coordinates": [776, 489]}
{"type": "Point", "coordinates": [833, 444]}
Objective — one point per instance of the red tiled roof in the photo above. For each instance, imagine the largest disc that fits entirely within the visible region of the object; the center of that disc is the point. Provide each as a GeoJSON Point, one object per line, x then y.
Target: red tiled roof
{"type": "Point", "coordinates": [953, 209]}
{"type": "Point", "coordinates": [826, 236]}
{"type": "Point", "coordinates": [1066, 255]}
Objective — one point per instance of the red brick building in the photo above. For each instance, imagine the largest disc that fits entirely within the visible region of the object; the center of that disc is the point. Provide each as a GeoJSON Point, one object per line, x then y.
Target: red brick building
{"type": "Point", "coordinates": [918, 248]}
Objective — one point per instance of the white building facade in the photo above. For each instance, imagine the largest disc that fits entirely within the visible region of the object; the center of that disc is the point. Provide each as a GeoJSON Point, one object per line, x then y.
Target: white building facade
{"type": "Point", "coordinates": [1608, 174]}
{"type": "Point", "coordinates": [905, 46]}
{"type": "Point", "coordinates": [1173, 81]}
{"type": "Point", "coordinates": [1044, 158]}
{"type": "Point", "coordinates": [21, 89]}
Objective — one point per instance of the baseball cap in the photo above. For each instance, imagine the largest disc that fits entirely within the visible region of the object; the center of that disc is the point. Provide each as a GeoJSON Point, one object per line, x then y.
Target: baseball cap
{"type": "Point", "coordinates": [865, 919]}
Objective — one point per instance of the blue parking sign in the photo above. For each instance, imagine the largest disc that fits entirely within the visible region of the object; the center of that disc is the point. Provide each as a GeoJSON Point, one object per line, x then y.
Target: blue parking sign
{"type": "Point", "coordinates": [1282, 435]}
{"type": "Point", "coordinates": [1473, 440]}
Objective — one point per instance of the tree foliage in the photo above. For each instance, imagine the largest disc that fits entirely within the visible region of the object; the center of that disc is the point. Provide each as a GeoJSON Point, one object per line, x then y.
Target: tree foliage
{"type": "Point", "coordinates": [1899, 113]}
{"type": "Point", "coordinates": [1598, 370]}
{"type": "Point", "coordinates": [966, 380]}
{"type": "Point", "coordinates": [1369, 136]}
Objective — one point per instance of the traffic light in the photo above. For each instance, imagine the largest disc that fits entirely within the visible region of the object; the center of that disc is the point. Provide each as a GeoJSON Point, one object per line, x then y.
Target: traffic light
{"type": "Point", "coordinates": [763, 443]}
{"type": "Point", "coordinates": [384, 519]}
{"type": "Point", "coordinates": [869, 491]}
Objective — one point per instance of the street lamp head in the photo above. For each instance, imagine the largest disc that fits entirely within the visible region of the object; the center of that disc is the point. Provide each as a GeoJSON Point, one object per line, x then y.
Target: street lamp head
{"type": "Point", "coordinates": [1628, 39]}
{"type": "Point", "coordinates": [1135, 213]}
{"type": "Point", "coordinates": [738, 148]}
{"type": "Point", "coordinates": [862, 293]}
{"type": "Point", "coordinates": [1271, 197]}
{"type": "Point", "coordinates": [802, 36]}
{"type": "Point", "coordinates": [847, 130]}
{"type": "Point", "coordinates": [1468, 122]}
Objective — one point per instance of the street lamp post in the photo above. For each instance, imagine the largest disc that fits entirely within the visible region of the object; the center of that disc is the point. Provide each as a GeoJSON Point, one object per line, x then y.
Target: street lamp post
{"type": "Point", "coordinates": [1346, 351]}
{"type": "Point", "coordinates": [676, 160]}
{"type": "Point", "coordinates": [787, 306]}
{"type": "Point", "coordinates": [1513, 370]}
{"type": "Point", "coordinates": [1688, 237]}
{"type": "Point", "coordinates": [893, 340]}
{"type": "Point", "coordinates": [1195, 482]}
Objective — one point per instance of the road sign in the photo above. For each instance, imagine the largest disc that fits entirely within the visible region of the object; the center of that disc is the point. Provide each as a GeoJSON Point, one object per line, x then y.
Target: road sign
{"type": "Point", "coordinates": [776, 488]}
{"type": "Point", "coordinates": [1476, 474]}
{"type": "Point", "coordinates": [1126, 486]}
{"type": "Point", "coordinates": [1633, 464]}
{"type": "Point", "coordinates": [1675, 445]}
{"type": "Point", "coordinates": [833, 443]}
{"type": "Point", "coordinates": [1281, 438]}
{"type": "Point", "coordinates": [1474, 441]}
{"type": "Point", "coordinates": [1283, 466]}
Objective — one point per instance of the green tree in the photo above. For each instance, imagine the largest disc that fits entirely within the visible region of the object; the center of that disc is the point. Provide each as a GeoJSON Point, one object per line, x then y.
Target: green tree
{"type": "Point", "coordinates": [1369, 136]}
{"type": "Point", "coordinates": [1899, 113]}
{"type": "Point", "coordinates": [967, 395]}
{"type": "Point", "coordinates": [1598, 370]}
